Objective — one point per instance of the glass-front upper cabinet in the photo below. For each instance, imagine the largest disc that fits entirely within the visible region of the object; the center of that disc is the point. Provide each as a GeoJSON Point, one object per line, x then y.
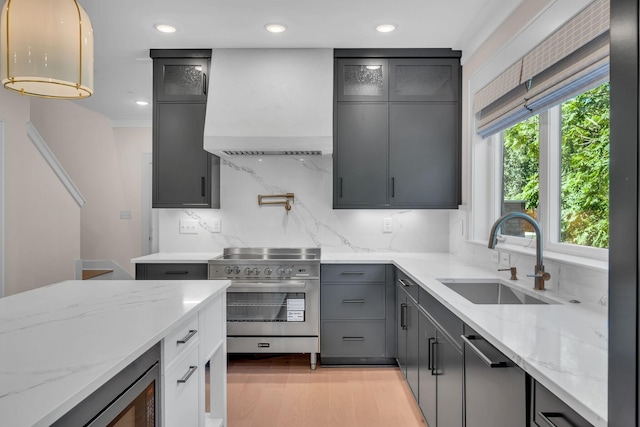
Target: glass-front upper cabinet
{"type": "Point", "coordinates": [180, 79]}
{"type": "Point", "coordinates": [363, 79]}
{"type": "Point", "coordinates": [424, 79]}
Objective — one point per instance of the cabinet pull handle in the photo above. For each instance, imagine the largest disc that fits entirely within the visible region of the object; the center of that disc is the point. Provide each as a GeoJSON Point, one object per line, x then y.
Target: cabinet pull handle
{"type": "Point", "coordinates": [204, 83]}
{"type": "Point", "coordinates": [186, 376]}
{"type": "Point", "coordinates": [403, 283]}
{"type": "Point", "coordinates": [176, 272]}
{"type": "Point", "coordinates": [434, 354]}
{"type": "Point", "coordinates": [483, 357]}
{"type": "Point", "coordinates": [430, 361]}
{"type": "Point", "coordinates": [340, 187]}
{"type": "Point", "coordinates": [547, 415]}
{"type": "Point", "coordinates": [203, 185]}
{"type": "Point", "coordinates": [187, 337]}
{"type": "Point", "coordinates": [403, 316]}
{"type": "Point", "coordinates": [353, 301]}
{"type": "Point", "coordinates": [352, 338]}
{"type": "Point", "coordinates": [393, 187]}
{"type": "Point", "coordinates": [352, 273]}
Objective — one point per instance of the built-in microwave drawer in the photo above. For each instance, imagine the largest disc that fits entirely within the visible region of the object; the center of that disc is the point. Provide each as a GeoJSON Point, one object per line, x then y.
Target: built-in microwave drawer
{"type": "Point", "coordinates": [352, 273]}
{"type": "Point", "coordinates": [353, 339]}
{"type": "Point", "coordinates": [353, 301]}
{"type": "Point", "coordinates": [180, 339]}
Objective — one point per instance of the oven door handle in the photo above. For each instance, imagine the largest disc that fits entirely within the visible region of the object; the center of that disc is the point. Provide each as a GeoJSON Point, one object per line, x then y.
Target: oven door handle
{"type": "Point", "coordinates": [292, 284]}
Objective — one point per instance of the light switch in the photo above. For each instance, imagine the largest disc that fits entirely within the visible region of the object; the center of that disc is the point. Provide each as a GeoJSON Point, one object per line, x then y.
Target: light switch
{"type": "Point", "coordinates": [215, 225]}
{"type": "Point", "coordinates": [125, 215]}
{"type": "Point", "coordinates": [188, 226]}
{"type": "Point", "coordinates": [495, 256]}
{"type": "Point", "coordinates": [387, 225]}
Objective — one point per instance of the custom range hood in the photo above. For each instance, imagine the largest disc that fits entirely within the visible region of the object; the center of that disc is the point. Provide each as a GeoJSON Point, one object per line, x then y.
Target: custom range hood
{"type": "Point", "coordinates": [270, 101]}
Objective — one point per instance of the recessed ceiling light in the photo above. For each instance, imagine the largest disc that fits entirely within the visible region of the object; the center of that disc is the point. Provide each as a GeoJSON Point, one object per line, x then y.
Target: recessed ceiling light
{"type": "Point", "coordinates": [275, 28]}
{"type": "Point", "coordinates": [164, 28]}
{"type": "Point", "coordinates": [142, 102]}
{"type": "Point", "coordinates": [385, 28]}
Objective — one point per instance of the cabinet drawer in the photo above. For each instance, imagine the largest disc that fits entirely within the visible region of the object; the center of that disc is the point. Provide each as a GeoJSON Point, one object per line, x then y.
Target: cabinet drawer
{"type": "Point", "coordinates": [181, 391]}
{"type": "Point", "coordinates": [548, 405]}
{"type": "Point", "coordinates": [352, 273]}
{"type": "Point", "coordinates": [180, 339]}
{"type": "Point", "coordinates": [361, 339]}
{"type": "Point", "coordinates": [171, 272]}
{"type": "Point", "coordinates": [409, 286]}
{"type": "Point", "coordinates": [446, 320]}
{"type": "Point", "coordinates": [353, 301]}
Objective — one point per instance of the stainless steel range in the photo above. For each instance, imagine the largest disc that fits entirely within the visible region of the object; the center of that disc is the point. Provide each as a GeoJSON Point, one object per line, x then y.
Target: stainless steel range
{"type": "Point", "coordinates": [273, 303]}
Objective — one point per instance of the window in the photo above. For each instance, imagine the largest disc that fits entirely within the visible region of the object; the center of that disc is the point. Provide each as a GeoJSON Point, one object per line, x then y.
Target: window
{"type": "Point", "coordinates": [584, 165]}
{"type": "Point", "coordinates": [566, 148]}
{"type": "Point", "coordinates": [521, 170]}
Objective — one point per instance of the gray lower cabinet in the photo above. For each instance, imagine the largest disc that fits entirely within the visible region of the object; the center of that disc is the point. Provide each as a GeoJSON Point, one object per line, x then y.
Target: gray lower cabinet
{"type": "Point", "coordinates": [407, 332]}
{"type": "Point", "coordinates": [171, 271]}
{"type": "Point", "coordinates": [495, 389]}
{"type": "Point", "coordinates": [549, 410]}
{"type": "Point", "coordinates": [357, 314]}
{"type": "Point", "coordinates": [441, 373]}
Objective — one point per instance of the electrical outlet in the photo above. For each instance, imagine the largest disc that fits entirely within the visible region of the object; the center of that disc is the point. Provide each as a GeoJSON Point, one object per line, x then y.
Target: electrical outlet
{"type": "Point", "coordinates": [188, 226]}
{"type": "Point", "coordinates": [387, 225]}
{"type": "Point", "coordinates": [505, 259]}
{"type": "Point", "coordinates": [495, 256]}
{"type": "Point", "coordinates": [216, 226]}
{"type": "Point", "coordinates": [125, 215]}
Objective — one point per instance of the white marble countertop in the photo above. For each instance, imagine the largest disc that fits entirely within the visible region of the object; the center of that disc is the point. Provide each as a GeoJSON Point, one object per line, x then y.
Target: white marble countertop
{"type": "Point", "coordinates": [61, 342]}
{"type": "Point", "coordinates": [563, 346]}
{"type": "Point", "coordinates": [176, 257]}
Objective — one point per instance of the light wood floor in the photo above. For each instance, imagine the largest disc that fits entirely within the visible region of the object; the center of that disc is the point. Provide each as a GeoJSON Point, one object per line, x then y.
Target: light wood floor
{"type": "Point", "coordinates": [282, 391]}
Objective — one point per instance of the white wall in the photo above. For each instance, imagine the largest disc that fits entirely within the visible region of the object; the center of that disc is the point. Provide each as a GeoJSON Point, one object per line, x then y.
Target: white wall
{"type": "Point", "coordinates": [85, 144]}
{"type": "Point", "coordinates": [311, 222]}
{"type": "Point", "coordinates": [42, 221]}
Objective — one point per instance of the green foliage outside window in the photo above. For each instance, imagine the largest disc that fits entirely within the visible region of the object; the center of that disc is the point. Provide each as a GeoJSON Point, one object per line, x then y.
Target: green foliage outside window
{"type": "Point", "coordinates": [584, 192]}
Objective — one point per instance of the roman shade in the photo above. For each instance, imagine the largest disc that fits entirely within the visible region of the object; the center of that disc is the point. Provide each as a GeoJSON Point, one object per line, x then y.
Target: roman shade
{"type": "Point", "coordinates": [571, 60]}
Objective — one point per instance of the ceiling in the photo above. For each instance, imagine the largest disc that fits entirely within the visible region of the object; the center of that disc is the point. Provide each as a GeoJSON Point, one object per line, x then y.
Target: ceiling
{"type": "Point", "coordinates": [124, 32]}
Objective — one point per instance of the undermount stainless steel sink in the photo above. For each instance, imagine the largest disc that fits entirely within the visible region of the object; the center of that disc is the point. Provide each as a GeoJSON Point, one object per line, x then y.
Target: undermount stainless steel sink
{"type": "Point", "coordinates": [492, 292]}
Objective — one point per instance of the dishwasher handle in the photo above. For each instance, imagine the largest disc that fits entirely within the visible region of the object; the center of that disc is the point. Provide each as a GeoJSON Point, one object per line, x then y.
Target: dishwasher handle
{"type": "Point", "coordinates": [486, 359]}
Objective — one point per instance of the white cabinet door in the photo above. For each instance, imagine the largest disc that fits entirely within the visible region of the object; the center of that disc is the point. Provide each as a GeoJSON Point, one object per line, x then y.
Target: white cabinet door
{"type": "Point", "coordinates": [181, 386]}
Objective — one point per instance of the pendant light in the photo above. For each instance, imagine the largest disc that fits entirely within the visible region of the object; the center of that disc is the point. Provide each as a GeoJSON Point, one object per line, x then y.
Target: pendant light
{"type": "Point", "coordinates": [46, 48]}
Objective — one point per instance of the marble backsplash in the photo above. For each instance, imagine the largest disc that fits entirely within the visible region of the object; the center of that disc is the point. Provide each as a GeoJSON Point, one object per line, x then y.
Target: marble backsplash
{"type": "Point", "coordinates": [312, 222]}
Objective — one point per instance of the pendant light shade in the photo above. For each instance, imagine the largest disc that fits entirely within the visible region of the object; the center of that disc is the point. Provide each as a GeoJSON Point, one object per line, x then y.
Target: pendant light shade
{"type": "Point", "coordinates": [46, 48]}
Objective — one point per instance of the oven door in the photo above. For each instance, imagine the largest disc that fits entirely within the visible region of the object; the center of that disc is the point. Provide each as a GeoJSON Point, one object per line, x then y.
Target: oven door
{"type": "Point", "coordinates": [273, 308]}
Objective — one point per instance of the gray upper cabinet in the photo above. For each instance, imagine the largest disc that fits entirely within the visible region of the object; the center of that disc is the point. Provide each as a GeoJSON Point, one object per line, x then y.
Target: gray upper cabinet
{"type": "Point", "coordinates": [424, 79]}
{"type": "Point", "coordinates": [184, 174]}
{"type": "Point", "coordinates": [180, 79]}
{"type": "Point", "coordinates": [363, 79]}
{"type": "Point", "coordinates": [397, 132]}
{"type": "Point", "coordinates": [423, 161]}
{"type": "Point", "coordinates": [361, 172]}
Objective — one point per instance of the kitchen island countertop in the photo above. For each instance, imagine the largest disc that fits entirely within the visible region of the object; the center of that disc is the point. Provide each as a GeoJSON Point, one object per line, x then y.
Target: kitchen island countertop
{"type": "Point", "coordinates": [61, 342]}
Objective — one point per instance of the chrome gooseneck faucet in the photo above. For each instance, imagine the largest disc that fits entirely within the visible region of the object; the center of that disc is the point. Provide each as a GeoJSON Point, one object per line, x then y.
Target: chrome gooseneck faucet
{"type": "Point", "coordinates": [539, 274]}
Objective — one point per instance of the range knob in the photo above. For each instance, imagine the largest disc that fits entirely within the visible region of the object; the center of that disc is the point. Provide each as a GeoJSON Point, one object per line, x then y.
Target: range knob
{"type": "Point", "coordinates": [267, 271]}
{"type": "Point", "coordinates": [256, 271]}
{"type": "Point", "coordinates": [287, 272]}
{"type": "Point", "coordinates": [280, 271]}
{"type": "Point", "coordinates": [236, 270]}
{"type": "Point", "coordinates": [227, 270]}
{"type": "Point", "coordinates": [248, 271]}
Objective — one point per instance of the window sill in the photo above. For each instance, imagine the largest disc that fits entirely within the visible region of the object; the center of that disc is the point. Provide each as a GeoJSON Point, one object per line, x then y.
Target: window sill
{"type": "Point", "coordinates": [558, 257]}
